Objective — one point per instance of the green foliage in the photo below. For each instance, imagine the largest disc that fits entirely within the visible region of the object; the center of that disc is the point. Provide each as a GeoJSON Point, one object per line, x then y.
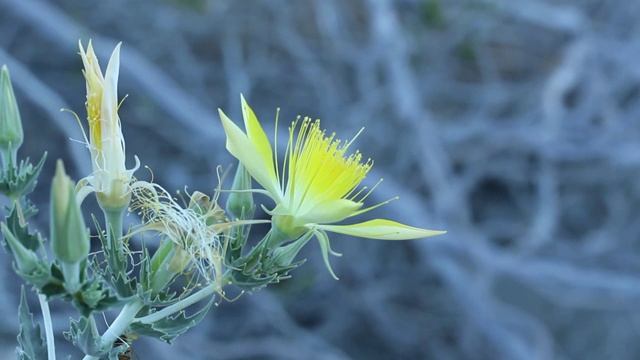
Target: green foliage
{"type": "Point", "coordinates": [84, 335]}
{"type": "Point", "coordinates": [30, 240]}
{"type": "Point", "coordinates": [170, 327]}
{"type": "Point", "coordinates": [16, 182]}
{"type": "Point", "coordinates": [116, 272]}
{"type": "Point", "coordinates": [94, 296]}
{"type": "Point", "coordinates": [31, 345]}
{"type": "Point", "coordinates": [261, 265]}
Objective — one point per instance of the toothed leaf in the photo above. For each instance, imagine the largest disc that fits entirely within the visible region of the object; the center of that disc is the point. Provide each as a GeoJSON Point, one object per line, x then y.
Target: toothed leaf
{"type": "Point", "coordinates": [32, 346]}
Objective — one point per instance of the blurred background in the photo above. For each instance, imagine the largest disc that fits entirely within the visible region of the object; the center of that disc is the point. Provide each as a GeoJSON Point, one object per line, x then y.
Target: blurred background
{"type": "Point", "coordinates": [514, 125]}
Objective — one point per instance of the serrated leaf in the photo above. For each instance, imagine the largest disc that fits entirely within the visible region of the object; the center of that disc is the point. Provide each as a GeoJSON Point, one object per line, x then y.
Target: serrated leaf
{"type": "Point", "coordinates": [115, 273]}
{"type": "Point", "coordinates": [146, 293]}
{"type": "Point", "coordinates": [30, 240]}
{"type": "Point", "coordinates": [169, 328]}
{"type": "Point", "coordinates": [32, 346]}
{"type": "Point", "coordinates": [163, 298]}
{"type": "Point", "coordinates": [40, 278]}
{"type": "Point", "coordinates": [117, 262]}
{"type": "Point", "coordinates": [16, 182]}
{"type": "Point", "coordinates": [94, 296]}
{"type": "Point", "coordinates": [85, 336]}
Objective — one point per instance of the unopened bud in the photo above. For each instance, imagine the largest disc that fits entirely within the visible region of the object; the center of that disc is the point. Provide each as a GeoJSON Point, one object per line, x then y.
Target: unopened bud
{"type": "Point", "coordinates": [69, 237]}
{"type": "Point", "coordinates": [240, 203]}
{"type": "Point", "coordinates": [11, 134]}
{"type": "Point", "coordinates": [169, 261]}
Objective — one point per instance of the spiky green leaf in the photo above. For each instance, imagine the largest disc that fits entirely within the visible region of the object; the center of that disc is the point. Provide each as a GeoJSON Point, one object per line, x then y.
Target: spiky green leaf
{"type": "Point", "coordinates": [32, 346]}
{"type": "Point", "coordinates": [169, 328]}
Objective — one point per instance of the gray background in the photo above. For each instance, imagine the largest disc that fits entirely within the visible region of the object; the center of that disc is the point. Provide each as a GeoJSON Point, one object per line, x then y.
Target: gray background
{"type": "Point", "coordinates": [514, 125]}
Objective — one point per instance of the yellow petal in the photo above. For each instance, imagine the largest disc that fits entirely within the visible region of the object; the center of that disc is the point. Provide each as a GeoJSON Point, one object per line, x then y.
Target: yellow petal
{"type": "Point", "coordinates": [329, 211]}
{"type": "Point", "coordinates": [110, 95]}
{"type": "Point", "coordinates": [381, 229]}
{"type": "Point", "coordinates": [243, 149]}
{"type": "Point", "coordinates": [258, 137]}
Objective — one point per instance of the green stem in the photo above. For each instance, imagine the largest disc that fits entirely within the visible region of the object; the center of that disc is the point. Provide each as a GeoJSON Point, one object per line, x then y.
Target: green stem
{"type": "Point", "coordinates": [113, 222]}
{"type": "Point", "coordinates": [180, 305]}
{"type": "Point", "coordinates": [48, 327]}
{"type": "Point", "coordinates": [119, 325]}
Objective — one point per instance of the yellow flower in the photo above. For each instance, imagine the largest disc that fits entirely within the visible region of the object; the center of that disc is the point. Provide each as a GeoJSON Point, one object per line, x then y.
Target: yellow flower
{"type": "Point", "coordinates": [110, 180]}
{"type": "Point", "coordinates": [317, 185]}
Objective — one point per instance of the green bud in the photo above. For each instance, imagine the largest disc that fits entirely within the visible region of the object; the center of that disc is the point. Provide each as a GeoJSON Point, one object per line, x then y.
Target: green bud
{"type": "Point", "coordinates": [26, 260]}
{"type": "Point", "coordinates": [11, 134]}
{"type": "Point", "coordinates": [169, 261]}
{"type": "Point", "coordinates": [240, 204]}
{"type": "Point", "coordinates": [69, 236]}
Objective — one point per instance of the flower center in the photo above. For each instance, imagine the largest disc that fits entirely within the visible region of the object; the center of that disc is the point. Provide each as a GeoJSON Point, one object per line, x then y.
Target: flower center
{"type": "Point", "coordinates": [318, 168]}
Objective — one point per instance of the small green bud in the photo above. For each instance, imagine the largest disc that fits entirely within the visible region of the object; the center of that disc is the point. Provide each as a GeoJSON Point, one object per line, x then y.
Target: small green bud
{"type": "Point", "coordinates": [240, 204]}
{"type": "Point", "coordinates": [11, 134]}
{"type": "Point", "coordinates": [169, 261]}
{"type": "Point", "coordinates": [69, 236]}
{"type": "Point", "coordinates": [26, 260]}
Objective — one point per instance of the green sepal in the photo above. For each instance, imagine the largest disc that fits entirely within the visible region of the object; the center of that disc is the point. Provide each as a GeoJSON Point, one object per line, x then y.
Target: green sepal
{"type": "Point", "coordinates": [262, 265]}
{"type": "Point", "coordinates": [31, 345]}
{"type": "Point", "coordinates": [170, 327]}
{"type": "Point", "coordinates": [282, 257]}
{"type": "Point", "coordinates": [16, 182]}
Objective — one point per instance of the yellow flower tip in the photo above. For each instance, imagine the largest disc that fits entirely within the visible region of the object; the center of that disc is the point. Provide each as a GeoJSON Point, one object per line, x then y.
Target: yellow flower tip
{"type": "Point", "coordinates": [382, 229]}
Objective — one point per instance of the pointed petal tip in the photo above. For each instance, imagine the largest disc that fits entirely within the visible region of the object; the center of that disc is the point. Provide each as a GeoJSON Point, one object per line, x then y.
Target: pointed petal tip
{"type": "Point", "coordinates": [381, 229]}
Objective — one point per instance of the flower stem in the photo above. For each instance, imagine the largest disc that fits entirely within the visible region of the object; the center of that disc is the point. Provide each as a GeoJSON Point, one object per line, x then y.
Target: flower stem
{"type": "Point", "coordinates": [113, 222]}
{"type": "Point", "coordinates": [120, 324]}
{"type": "Point", "coordinates": [180, 305]}
{"type": "Point", "coordinates": [48, 327]}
